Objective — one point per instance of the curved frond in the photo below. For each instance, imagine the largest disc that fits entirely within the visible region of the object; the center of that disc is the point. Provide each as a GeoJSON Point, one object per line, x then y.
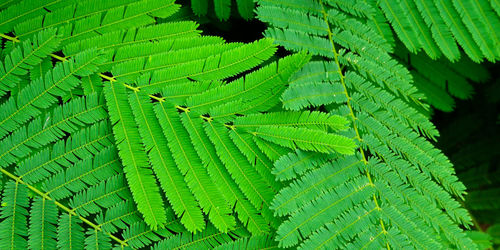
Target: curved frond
{"type": "Point", "coordinates": [43, 220]}
{"type": "Point", "coordinates": [343, 201]}
{"type": "Point", "coordinates": [82, 144]}
{"type": "Point", "coordinates": [14, 226]}
{"type": "Point", "coordinates": [306, 139]}
{"type": "Point", "coordinates": [43, 92]}
{"type": "Point", "coordinates": [63, 119]}
{"type": "Point", "coordinates": [133, 155]}
{"type": "Point", "coordinates": [26, 9]}
{"type": "Point", "coordinates": [171, 179]}
{"type": "Point", "coordinates": [23, 58]}
{"type": "Point", "coordinates": [208, 239]}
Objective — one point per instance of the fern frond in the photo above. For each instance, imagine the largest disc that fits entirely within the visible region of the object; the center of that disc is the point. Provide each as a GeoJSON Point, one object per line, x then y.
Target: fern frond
{"type": "Point", "coordinates": [123, 17]}
{"type": "Point", "coordinates": [471, 23]}
{"type": "Point", "coordinates": [222, 8]}
{"type": "Point", "coordinates": [82, 174]}
{"type": "Point", "coordinates": [313, 215]}
{"type": "Point", "coordinates": [127, 41]}
{"type": "Point", "coordinates": [63, 119]}
{"type": "Point", "coordinates": [417, 24]}
{"type": "Point", "coordinates": [218, 66]}
{"type": "Point", "coordinates": [82, 144]}
{"type": "Point", "coordinates": [92, 84]}
{"type": "Point", "coordinates": [458, 29]}
{"type": "Point", "coordinates": [62, 16]}
{"type": "Point", "coordinates": [409, 144]}
{"type": "Point", "coordinates": [399, 109]}
{"type": "Point", "coordinates": [401, 24]}
{"type": "Point", "coordinates": [482, 22]}
{"type": "Point", "coordinates": [296, 163]}
{"type": "Point", "coordinates": [338, 233]}
{"type": "Point", "coordinates": [245, 8]}
{"type": "Point", "coordinates": [208, 239]}
{"type": "Point", "coordinates": [6, 4]}
{"type": "Point", "coordinates": [103, 195]}
{"type": "Point", "coordinates": [373, 60]}
{"type": "Point", "coordinates": [237, 165]}
{"type": "Point", "coordinates": [69, 233]}
{"type": "Point", "coordinates": [199, 7]}
{"type": "Point", "coordinates": [207, 194]}
{"type": "Point", "coordinates": [187, 118]}
{"type": "Point", "coordinates": [26, 9]}
{"type": "Point", "coordinates": [325, 177]}
{"type": "Point", "coordinates": [22, 59]}
{"type": "Point", "coordinates": [253, 85]}
{"type": "Point", "coordinates": [43, 221]}
{"type": "Point", "coordinates": [140, 235]}
{"type": "Point", "coordinates": [130, 70]}
{"type": "Point", "coordinates": [454, 79]}
{"type": "Point", "coordinates": [247, 213]}
{"type": "Point", "coordinates": [262, 164]}
{"type": "Point", "coordinates": [313, 120]}
{"type": "Point", "coordinates": [379, 24]}
{"type": "Point", "coordinates": [428, 211]}
{"type": "Point", "coordinates": [14, 226]}
{"type": "Point", "coordinates": [435, 96]}
{"type": "Point", "coordinates": [171, 179]}
{"type": "Point", "coordinates": [273, 151]}
{"type": "Point", "coordinates": [178, 93]}
{"type": "Point", "coordinates": [43, 92]}
{"type": "Point", "coordinates": [96, 240]}
{"type": "Point", "coordinates": [133, 155]}
{"type": "Point", "coordinates": [118, 216]}
{"type": "Point", "coordinates": [312, 94]}
{"type": "Point", "coordinates": [306, 139]}
{"type": "Point", "coordinates": [40, 70]}
{"type": "Point", "coordinates": [182, 37]}
{"type": "Point", "coordinates": [440, 31]}
{"type": "Point", "coordinates": [366, 208]}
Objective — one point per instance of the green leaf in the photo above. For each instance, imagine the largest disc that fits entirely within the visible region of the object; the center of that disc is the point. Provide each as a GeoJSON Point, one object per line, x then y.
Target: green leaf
{"type": "Point", "coordinates": [133, 155]}
{"type": "Point", "coordinates": [306, 139]}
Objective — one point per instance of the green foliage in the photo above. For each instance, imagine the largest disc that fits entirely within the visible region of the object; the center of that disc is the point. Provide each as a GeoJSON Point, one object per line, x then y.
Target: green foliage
{"type": "Point", "coordinates": [437, 26]}
{"type": "Point", "coordinates": [22, 58]}
{"type": "Point", "coordinates": [172, 121]}
{"type": "Point", "coordinates": [13, 227]}
{"type": "Point", "coordinates": [440, 80]}
{"type": "Point", "coordinates": [398, 190]}
{"type": "Point", "coordinates": [123, 127]}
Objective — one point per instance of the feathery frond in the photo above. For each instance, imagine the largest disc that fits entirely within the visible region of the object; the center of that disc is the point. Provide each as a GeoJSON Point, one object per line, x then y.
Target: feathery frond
{"type": "Point", "coordinates": [123, 127]}
{"type": "Point", "coordinates": [441, 24]}
{"type": "Point", "coordinates": [23, 58]}
{"type": "Point", "coordinates": [374, 198]}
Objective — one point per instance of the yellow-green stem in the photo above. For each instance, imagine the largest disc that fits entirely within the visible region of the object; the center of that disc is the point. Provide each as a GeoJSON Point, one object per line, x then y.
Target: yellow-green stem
{"type": "Point", "coordinates": [351, 112]}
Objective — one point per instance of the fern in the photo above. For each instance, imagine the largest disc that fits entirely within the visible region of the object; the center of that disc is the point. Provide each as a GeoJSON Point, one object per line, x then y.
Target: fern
{"type": "Point", "coordinates": [441, 24]}
{"type": "Point", "coordinates": [376, 198]}
{"type": "Point", "coordinates": [172, 117]}
{"type": "Point", "coordinates": [453, 81]}
{"type": "Point", "coordinates": [22, 59]}
{"type": "Point", "coordinates": [123, 127]}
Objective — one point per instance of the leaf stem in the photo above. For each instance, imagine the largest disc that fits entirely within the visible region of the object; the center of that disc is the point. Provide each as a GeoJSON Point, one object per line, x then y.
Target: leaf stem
{"type": "Point", "coordinates": [353, 117]}
{"type": "Point", "coordinates": [10, 38]}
